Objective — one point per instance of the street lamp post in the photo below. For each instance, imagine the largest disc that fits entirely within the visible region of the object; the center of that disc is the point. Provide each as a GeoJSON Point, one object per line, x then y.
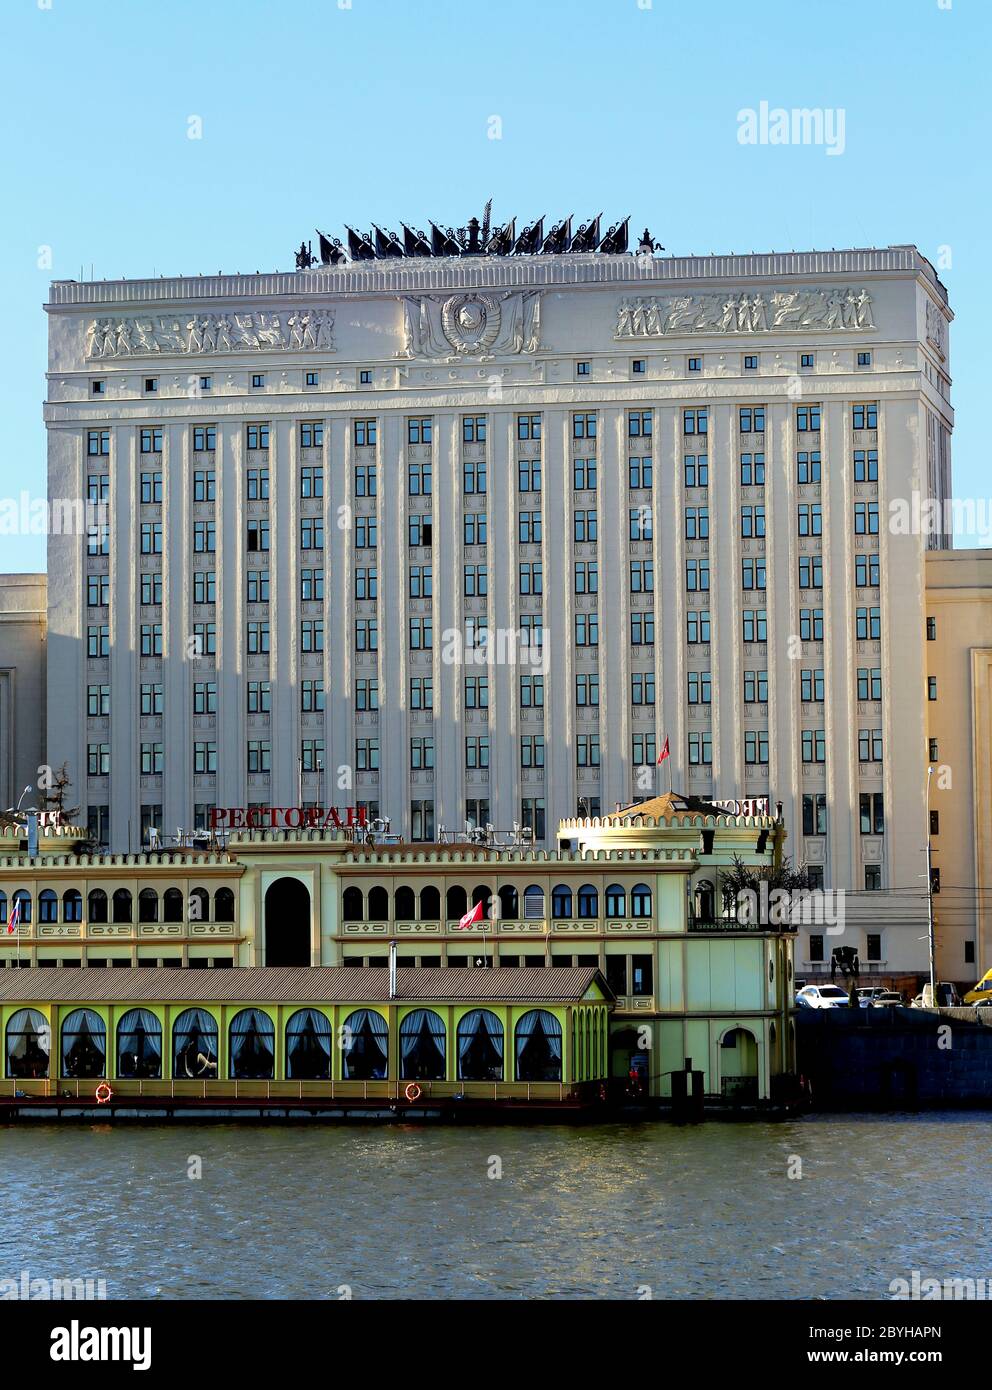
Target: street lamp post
{"type": "Point", "coordinates": [930, 931]}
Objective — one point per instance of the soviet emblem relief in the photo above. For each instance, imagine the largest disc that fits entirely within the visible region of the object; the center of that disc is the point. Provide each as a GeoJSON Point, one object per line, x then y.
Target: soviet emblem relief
{"type": "Point", "coordinates": [475, 325]}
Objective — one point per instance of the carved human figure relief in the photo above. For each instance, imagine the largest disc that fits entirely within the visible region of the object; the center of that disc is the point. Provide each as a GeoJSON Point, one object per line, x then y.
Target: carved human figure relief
{"type": "Point", "coordinates": [194, 334]}
{"type": "Point", "coordinates": [732, 312]}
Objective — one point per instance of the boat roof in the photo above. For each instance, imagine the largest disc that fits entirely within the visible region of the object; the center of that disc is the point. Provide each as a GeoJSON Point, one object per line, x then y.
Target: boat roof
{"type": "Point", "coordinates": [303, 984]}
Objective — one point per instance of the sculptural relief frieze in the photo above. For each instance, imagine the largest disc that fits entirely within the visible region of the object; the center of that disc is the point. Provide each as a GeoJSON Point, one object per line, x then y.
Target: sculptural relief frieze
{"type": "Point", "coordinates": [474, 325]}
{"type": "Point", "coordinates": [195, 334]}
{"type": "Point", "coordinates": [779, 310]}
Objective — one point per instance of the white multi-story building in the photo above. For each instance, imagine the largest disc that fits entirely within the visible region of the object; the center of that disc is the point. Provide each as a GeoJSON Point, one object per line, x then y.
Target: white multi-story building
{"type": "Point", "coordinates": [468, 537]}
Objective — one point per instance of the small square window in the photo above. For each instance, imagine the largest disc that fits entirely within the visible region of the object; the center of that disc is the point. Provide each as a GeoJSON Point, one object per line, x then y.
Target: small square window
{"type": "Point", "coordinates": [695, 364]}
{"type": "Point", "coordinates": [365, 378]}
{"type": "Point", "coordinates": [806, 360]}
{"type": "Point", "coordinates": [640, 366]}
{"type": "Point", "coordinates": [257, 381]}
{"type": "Point", "coordinates": [98, 388]}
{"type": "Point", "coordinates": [864, 359]}
{"type": "Point", "coordinates": [206, 383]}
{"type": "Point", "coordinates": [582, 368]}
{"type": "Point", "coordinates": [151, 385]}
{"type": "Point", "coordinates": [750, 363]}
{"type": "Point", "coordinates": [312, 379]}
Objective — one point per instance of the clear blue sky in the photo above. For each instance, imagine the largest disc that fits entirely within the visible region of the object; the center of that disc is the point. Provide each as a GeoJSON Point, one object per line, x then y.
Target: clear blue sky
{"type": "Point", "coordinates": [315, 114]}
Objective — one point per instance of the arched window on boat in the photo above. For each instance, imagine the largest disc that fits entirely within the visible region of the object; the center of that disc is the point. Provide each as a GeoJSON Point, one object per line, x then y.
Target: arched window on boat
{"type": "Point", "coordinates": [422, 1046]}
{"type": "Point", "coordinates": [588, 901]}
{"type": "Point", "coordinates": [23, 897]}
{"type": "Point", "coordinates": [480, 1046]}
{"type": "Point", "coordinates": [29, 1045]}
{"type": "Point", "coordinates": [48, 906]}
{"type": "Point", "coordinates": [148, 905]}
{"type": "Point", "coordinates": [405, 904]}
{"type": "Point", "coordinates": [96, 908]}
{"type": "Point", "coordinates": [640, 900]}
{"type": "Point", "coordinates": [353, 905]}
{"type": "Point", "coordinates": [199, 905]}
{"type": "Point", "coordinates": [430, 905]}
{"type": "Point", "coordinates": [704, 901]}
{"type": "Point", "coordinates": [172, 905]}
{"type": "Point", "coordinates": [364, 1046]}
{"type": "Point", "coordinates": [252, 1046]}
{"type": "Point", "coordinates": [561, 900]}
{"type": "Point", "coordinates": [224, 905]}
{"type": "Point", "coordinates": [123, 909]}
{"type": "Point", "coordinates": [139, 1045]}
{"type": "Point", "coordinates": [456, 904]}
{"type": "Point", "coordinates": [84, 1044]}
{"type": "Point", "coordinates": [72, 905]}
{"type": "Point", "coordinates": [533, 903]}
{"type": "Point", "coordinates": [194, 1044]}
{"type": "Point", "coordinates": [616, 901]}
{"type": "Point", "coordinates": [378, 904]}
{"type": "Point", "coordinates": [509, 903]}
{"type": "Point", "coordinates": [537, 1039]}
{"type": "Point", "coordinates": [308, 1046]}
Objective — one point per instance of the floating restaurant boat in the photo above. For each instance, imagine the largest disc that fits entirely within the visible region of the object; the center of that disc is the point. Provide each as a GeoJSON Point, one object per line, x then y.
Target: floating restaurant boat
{"type": "Point", "coordinates": [304, 1042]}
{"type": "Point", "coordinates": [636, 901]}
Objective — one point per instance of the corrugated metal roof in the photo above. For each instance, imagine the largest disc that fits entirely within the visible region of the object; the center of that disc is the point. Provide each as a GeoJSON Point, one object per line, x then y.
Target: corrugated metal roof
{"type": "Point", "coordinates": [303, 985]}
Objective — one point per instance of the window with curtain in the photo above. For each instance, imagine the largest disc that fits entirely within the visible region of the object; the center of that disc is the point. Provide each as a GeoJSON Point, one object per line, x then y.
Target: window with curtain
{"type": "Point", "coordinates": [29, 1045]}
{"type": "Point", "coordinates": [616, 901]}
{"type": "Point", "coordinates": [561, 901]}
{"type": "Point", "coordinates": [538, 1046]}
{"type": "Point", "coordinates": [97, 908]}
{"type": "Point", "coordinates": [308, 1046]}
{"type": "Point", "coordinates": [480, 1046]}
{"type": "Point", "coordinates": [640, 900]}
{"type": "Point", "coordinates": [422, 1046]}
{"type": "Point", "coordinates": [364, 1046]}
{"type": "Point", "coordinates": [139, 1045]}
{"type": "Point", "coordinates": [588, 901]}
{"type": "Point", "coordinates": [252, 1046]}
{"type": "Point", "coordinates": [194, 1044]}
{"type": "Point", "coordinates": [72, 905]}
{"type": "Point", "coordinates": [84, 1044]}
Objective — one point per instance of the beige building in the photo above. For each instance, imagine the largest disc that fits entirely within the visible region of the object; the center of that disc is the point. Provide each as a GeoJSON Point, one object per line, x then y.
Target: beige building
{"type": "Point", "coordinates": [465, 537]}
{"type": "Point", "coordinates": [23, 649]}
{"type": "Point", "coordinates": [959, 727]}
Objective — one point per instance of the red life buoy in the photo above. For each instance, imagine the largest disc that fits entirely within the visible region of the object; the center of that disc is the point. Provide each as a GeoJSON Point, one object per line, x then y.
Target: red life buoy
{"type": "Point", "coordinates": [103, 1093]}
{"type": "Point", "coordinates": [412, 1091]}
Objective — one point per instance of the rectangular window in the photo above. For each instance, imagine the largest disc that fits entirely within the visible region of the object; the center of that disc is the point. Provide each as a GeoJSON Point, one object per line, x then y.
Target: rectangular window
{"type": "Point", "coordinates": [815, 813]}
{"type": "Point", "coordinates": [311, 433]}
{"type": "Point", "coordinates": [808, 419]}
{"type": "Point", "coordinates": [864, 416]}
{"type": "Point", "coordinates": [419, 431]}
{"type": "Point", "coordinates": [257, 435]}
{"type": "Point", "coordinates": [364, 432]}
{"type": "Point", "coordinates": [871, 813]}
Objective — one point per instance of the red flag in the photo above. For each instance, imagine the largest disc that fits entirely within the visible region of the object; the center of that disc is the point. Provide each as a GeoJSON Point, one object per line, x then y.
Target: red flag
{"type": "Point", "coordinates": [664, 753]}
{"type": "Point", "coordinates": [470, 918]}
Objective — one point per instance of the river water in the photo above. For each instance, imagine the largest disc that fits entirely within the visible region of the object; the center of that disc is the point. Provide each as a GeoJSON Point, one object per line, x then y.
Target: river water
{"type": "Point", "coordinates": [708, 1211]}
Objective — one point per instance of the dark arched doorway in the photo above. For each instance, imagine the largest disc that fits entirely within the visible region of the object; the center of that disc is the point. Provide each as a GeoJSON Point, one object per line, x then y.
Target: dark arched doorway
{"type": "Point", "coordinates": [287, 923]}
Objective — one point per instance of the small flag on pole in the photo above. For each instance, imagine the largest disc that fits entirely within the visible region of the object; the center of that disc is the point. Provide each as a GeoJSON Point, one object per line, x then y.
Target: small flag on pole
{"type": "Point", "coordinates": [664, 752]}
{"type": "Point", "coordinates": [14, 918]}
{"type": "Point", "coordinates": [469, 920]}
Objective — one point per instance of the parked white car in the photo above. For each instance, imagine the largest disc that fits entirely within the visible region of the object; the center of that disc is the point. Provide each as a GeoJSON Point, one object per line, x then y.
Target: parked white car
{"type": "Point", "coordinates": [822, 997]}
{"type": "Point", "coordinates": [869, 993]}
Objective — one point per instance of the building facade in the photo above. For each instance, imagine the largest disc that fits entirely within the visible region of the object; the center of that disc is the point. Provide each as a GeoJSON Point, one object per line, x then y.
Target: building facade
{"type": "Point", "coordinates": [637, 895]}
{"type": "Point", "coordinates": [959, 724]}
{"type": "Point", "coordinates": [23, 652]}
{"type": "Point", "coordinates": [466, 539]}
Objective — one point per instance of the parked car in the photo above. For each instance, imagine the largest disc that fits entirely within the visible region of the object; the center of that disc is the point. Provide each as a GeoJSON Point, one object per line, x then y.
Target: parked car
{"type": "Point", "coordinates": [886, 998]}
{"type": "Point", "coordinates": [869, 993]}
{"type": "Point", "coordinates": [821, 997]}
{"type": "Point", "coordinates": [947, 997]}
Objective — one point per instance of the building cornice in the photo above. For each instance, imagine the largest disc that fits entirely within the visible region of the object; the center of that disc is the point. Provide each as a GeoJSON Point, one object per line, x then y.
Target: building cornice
{"type": "Point", "coordinates": [496, 273]}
